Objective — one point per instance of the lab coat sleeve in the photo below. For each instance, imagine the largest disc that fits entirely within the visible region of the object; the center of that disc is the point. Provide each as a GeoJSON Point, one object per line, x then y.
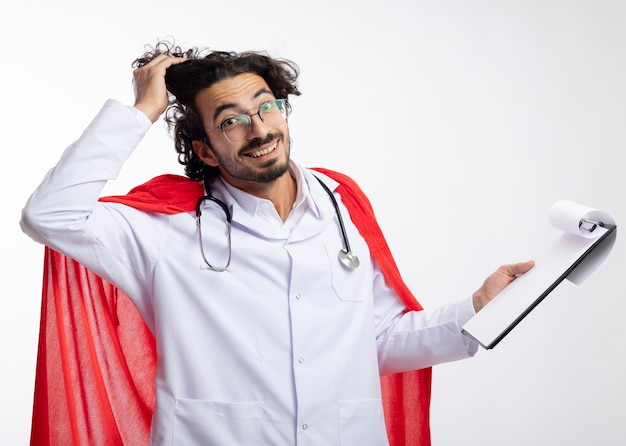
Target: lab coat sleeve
{"type": "Point", "coordinates": [410, 340]}
{"type": "Point", "coordinates": [64, 212]}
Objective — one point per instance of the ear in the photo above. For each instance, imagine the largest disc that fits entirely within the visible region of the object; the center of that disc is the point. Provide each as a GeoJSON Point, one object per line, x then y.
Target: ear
{"type": "Point", "coordinates": [205, 153]}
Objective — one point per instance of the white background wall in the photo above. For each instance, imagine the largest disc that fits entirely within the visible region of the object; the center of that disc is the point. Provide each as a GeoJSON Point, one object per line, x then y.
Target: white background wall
{"type": "Point", "coordinates": [463, 121]}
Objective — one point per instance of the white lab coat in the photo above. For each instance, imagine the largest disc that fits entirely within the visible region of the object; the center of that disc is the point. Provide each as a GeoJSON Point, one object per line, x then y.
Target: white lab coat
{"type": "Point", "coordinates": [284, 349]}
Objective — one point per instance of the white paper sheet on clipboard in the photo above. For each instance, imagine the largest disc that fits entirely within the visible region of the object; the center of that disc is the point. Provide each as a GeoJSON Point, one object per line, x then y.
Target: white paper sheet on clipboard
{"type": "Point", "coordinates": [587, 239]}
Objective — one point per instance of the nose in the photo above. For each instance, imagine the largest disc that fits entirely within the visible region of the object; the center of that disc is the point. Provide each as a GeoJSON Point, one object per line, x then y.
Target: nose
{"type": "Point", "coordinates": [258, 128]}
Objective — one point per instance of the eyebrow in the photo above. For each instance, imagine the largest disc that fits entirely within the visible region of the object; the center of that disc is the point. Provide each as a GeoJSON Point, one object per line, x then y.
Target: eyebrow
{"type": "Point", "coordinates": [228, 105]}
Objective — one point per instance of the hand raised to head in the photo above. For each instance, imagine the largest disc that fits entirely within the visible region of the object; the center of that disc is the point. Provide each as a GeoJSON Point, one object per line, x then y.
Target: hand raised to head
{"type": "Point", "coordinates": [149, 85]}
{"type": "Point", "coordinates": [497, 281]}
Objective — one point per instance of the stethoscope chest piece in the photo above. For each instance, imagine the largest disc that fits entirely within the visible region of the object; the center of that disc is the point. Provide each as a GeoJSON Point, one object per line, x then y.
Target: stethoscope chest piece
{"type": "Point", "coordinates": [349, 259]}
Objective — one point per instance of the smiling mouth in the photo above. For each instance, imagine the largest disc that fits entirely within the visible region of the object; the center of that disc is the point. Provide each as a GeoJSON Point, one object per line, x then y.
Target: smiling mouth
{"type": "Point", "coordinates": [264, 151]}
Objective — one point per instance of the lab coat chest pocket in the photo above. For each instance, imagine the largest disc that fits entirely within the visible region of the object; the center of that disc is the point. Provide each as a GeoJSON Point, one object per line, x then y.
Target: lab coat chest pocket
{"type": "Point", "coordinates": [347, 283]}
{"type": "Point", "coordinates": [216, 423]}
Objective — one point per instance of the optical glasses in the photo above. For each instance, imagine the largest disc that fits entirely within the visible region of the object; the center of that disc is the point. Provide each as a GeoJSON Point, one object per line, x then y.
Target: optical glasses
{"type": "Point", "coordinates": [237, 128]}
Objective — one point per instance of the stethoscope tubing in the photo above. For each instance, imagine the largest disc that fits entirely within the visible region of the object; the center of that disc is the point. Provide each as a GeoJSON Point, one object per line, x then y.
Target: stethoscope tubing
{"type": "Point", "coordinates": [346, 256]}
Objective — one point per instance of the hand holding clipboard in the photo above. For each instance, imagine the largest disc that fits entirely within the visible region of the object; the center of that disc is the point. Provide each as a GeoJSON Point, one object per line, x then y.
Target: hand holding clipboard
{"type": "Point", "coordinates": [587, 239]}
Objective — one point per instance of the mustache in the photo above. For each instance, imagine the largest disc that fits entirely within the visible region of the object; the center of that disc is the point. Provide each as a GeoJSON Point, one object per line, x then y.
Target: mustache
{"type": "Point", "coordinates": [258, 142]}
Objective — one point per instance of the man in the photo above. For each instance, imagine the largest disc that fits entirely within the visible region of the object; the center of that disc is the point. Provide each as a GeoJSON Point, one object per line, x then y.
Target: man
{"type": "Point", "coordinates": [263, 334]}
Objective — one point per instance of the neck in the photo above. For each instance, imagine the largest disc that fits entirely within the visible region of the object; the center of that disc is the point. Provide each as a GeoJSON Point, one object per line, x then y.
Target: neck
{"type": "Point", "coordinates": [284, 196]}
{"type": "Point", "coordinates": [281, 192]}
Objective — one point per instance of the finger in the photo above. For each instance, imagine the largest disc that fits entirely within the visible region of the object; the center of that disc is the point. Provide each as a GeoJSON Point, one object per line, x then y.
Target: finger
{"type": "Point", "coordinates": [517, 269]}
{"type": "Point", "coordinates": [157, 66]}
{"type": "Point", "coordinates": [164, 58]}
{"type": "Point", "coordinates": [163, 61]}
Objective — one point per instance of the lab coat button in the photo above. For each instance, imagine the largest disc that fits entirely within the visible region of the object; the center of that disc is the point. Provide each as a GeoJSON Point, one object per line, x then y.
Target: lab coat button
{"type": "Point", "coordinates": [298, 295]}
{"type": "Point", "coordinates": [305, 426]}
{"type": "Point", "coordinates": [301, 360]}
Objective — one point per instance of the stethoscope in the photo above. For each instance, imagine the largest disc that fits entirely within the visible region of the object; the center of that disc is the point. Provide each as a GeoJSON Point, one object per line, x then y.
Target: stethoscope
{"type": "Point", "coordinates": [346, 256]}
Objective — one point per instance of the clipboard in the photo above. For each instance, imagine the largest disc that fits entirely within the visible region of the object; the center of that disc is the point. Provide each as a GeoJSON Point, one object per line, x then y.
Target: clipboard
{"type": "Point", "coordinates": [587, 239]}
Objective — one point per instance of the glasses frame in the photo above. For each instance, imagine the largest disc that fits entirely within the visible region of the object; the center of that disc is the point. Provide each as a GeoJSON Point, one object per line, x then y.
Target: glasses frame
{"type": "Point", "coordinates": [248, 118]}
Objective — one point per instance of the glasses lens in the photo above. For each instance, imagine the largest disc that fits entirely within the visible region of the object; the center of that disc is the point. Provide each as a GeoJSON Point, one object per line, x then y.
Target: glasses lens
{"type": "Point", "coordinates": [273, 112]}
{"type": "Point", "coordinates": [236, 128]}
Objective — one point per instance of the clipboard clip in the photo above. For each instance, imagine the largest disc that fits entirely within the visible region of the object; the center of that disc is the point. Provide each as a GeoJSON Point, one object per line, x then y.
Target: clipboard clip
{"type": "Point", "coordinates": [589, 225]}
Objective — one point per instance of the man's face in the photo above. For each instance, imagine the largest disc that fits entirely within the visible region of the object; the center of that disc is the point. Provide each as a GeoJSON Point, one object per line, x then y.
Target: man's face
{"type": "Point", "coordinates": [262, 155]}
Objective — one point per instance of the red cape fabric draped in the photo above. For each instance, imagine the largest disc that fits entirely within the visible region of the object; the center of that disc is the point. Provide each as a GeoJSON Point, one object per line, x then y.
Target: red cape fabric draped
{"type": "Point", "coordinates": [96, 360]}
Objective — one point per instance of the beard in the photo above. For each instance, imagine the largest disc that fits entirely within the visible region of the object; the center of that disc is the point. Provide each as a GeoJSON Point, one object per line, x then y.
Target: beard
{"type": "Point", "coordinates": [264, 173]}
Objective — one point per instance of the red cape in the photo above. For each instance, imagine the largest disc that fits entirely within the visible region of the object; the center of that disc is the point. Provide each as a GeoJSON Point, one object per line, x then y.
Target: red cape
{"type": "Point", "coordinates": [96, 360]}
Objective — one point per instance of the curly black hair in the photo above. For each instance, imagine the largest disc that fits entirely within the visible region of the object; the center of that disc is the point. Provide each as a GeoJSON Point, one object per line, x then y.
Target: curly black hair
{"type": "Point", "coordinates": [202, 69]}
